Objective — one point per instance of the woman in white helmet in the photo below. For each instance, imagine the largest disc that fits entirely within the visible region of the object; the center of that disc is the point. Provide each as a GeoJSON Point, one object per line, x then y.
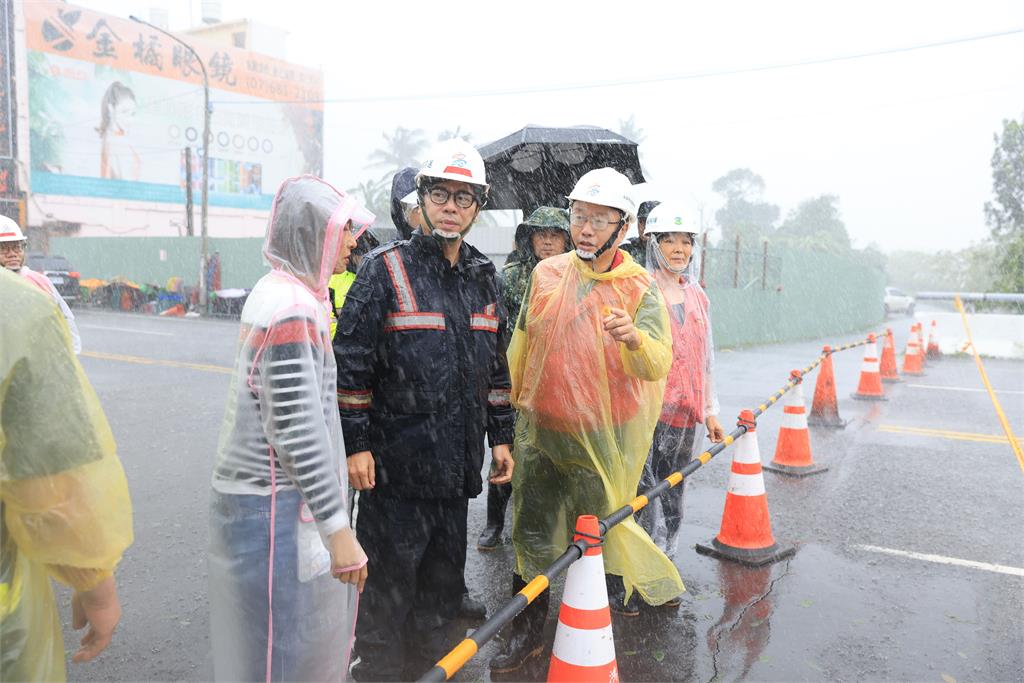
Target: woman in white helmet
{"type": "Point", "coordinates": [690, 405]}
{"type": "Point", "coordinates": [12, 257]}
{"type": "Point", "coordinates": [588, 359]}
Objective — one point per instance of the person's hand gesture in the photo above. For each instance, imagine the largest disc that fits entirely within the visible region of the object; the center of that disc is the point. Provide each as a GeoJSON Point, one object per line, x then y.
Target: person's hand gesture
{"type": "Point", "coordinates": [619, 325]}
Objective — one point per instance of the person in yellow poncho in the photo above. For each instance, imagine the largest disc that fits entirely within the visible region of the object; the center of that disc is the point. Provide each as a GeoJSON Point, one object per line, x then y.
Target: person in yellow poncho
{"type": "Point", "coordinates": [64, 506]}
{"type": "Point", "coordinates": [588, 361]}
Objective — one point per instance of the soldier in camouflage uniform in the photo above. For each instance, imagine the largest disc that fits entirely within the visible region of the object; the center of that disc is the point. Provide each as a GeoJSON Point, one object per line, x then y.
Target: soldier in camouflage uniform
{"type": "Point", "coordinates": [545, 233]}
{"type": "Point", "coordinates": [637, 246]}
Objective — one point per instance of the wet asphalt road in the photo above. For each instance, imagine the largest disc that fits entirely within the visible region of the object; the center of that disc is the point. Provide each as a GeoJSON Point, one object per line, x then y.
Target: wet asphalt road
{"type": "Point", "coordinates": [924, 472]}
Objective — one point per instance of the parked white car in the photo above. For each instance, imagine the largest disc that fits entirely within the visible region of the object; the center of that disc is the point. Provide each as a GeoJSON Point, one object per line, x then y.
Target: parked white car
{"type": "Point", "coordinates": [896, 301]}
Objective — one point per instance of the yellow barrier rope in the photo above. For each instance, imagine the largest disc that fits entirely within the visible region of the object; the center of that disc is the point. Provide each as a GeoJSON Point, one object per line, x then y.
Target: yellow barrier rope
{"type": "Point", "coordinates": [1014, 444]}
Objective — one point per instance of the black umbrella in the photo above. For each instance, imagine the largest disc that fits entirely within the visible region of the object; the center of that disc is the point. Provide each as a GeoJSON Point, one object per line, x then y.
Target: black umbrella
{"type": "Point", "coordinates": [539, 166]}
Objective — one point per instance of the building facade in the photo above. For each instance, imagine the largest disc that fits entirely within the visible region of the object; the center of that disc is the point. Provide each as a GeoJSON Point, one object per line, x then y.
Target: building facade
{"type": "Point", "coordinates": [107, 136]}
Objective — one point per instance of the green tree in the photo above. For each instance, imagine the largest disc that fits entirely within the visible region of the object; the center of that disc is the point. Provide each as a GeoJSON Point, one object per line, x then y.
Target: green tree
{"type": "Point", "coordinates": [815, 225]}
{"type": "Point", "coordinates": [744, 214]}
{"type": "Point", "coordinates": [1005, 213]}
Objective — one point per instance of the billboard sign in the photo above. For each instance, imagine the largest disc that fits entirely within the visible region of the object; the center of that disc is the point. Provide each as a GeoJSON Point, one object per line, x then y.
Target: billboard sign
{"type": "Point", "coordinates": [114, 104]}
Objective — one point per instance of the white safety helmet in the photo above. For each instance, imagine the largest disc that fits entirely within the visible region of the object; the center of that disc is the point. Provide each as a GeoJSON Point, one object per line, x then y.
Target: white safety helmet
{"type": "Point", "coordinates": [10, 231]}
{"type": "Point", "coordinates": [670, 217]}
{"type": "Point", "coordinates": [454, 159]}
{"type": "Point", "coordinates": [606, 187]}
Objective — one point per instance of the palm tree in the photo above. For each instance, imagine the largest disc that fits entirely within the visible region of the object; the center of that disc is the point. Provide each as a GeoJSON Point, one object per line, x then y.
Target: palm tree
{"type": "Point", "coordinates": [629, 129]}
{"type": "Point", "coordinates": [449, 134]}
{"type": "Point", "coordinates": [402, 148]}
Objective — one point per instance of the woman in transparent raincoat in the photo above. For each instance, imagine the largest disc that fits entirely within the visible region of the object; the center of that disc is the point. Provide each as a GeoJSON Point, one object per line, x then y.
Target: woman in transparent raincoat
{"type": "Point", "coordinates": [285, 565]}
{"type": "Point", "coordinates": [690, 404]}
{"type": "Point", "coordinates": [587, 399]}
{"type": "Point", "coordinates": [64, 507]}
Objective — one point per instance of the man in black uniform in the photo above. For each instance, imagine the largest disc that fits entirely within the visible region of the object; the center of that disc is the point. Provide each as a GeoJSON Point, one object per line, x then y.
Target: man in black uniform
{"type": "Point", "coordinates": [422, 375]}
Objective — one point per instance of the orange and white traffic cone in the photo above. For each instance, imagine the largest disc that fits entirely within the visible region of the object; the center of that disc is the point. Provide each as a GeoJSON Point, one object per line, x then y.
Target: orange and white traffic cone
{"type": "Point", "coordinates": [746, 532]}
{"type": "Point", "coordinates": [793, 447]}
{"type": "Point", "coordinates": [921, 345]}
{"type": "Point", "coordinates": [870, 386]}
{"type": "Point", "coordinates": [912, 364]}
{"type": "Point", "coordinates": [933, 351]}
{"type": "Point", "coordinates": [824, 406]}
{"type": "Point", "coordinates": [888, 368]}
{"type": "Point", "coordinates": [584, 648]}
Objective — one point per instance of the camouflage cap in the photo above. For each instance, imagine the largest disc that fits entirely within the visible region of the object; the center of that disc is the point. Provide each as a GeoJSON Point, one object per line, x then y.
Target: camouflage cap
{"type": "Point", "coordinates": [549, 217]}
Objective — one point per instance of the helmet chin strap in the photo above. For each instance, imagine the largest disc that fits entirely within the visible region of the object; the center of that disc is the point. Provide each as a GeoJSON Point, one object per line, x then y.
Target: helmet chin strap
{"type": "Point", "coordinates": [441, 235]}
{"type": "Point", "coordinates": [602, 249]}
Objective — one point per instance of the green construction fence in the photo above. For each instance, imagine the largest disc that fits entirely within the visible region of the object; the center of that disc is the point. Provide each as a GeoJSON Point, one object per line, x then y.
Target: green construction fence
{"type": "Point", "coordinates": [805, 295]}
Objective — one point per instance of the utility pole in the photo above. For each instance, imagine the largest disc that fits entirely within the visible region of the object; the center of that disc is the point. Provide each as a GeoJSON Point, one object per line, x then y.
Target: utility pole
{"type": "Point", "coordinates": [204, 286]}
{"type": "Point", "coordinates": [189, 229]}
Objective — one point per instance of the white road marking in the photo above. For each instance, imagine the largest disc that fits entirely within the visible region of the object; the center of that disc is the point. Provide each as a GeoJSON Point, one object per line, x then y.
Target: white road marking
{"type": "Point", "coordinates": [942, 559]}
{"type": "Point", "coordinates": [125, 329]}
{"type": "Point", "coordinates": [932, 386]}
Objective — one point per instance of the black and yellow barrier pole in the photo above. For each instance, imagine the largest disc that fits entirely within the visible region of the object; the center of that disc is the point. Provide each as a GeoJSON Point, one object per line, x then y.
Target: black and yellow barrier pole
{"type": "Point", "coordinates": [464, 651]}
{"type": "Point", "coordinates": [452, 662]}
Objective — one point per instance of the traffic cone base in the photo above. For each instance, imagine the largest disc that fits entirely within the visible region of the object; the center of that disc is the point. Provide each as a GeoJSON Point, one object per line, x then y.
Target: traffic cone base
{"type": "Point", "coordinates": [833, 421]}
{"type": "Point", "coordinates": [584, 648]}
{"type": "Point", "coordinates": [824, 406]}
{"type": "Point", "coordinates": [795, 470]}
{"type": "Point", "coordinates": [751, 557]}
{"type": "Point", "coordinates": [867, 397]}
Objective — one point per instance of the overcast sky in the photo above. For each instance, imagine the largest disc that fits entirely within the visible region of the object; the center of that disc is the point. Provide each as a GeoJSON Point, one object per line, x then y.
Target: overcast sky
{"type": "Point", "coordinates": [904, 139]}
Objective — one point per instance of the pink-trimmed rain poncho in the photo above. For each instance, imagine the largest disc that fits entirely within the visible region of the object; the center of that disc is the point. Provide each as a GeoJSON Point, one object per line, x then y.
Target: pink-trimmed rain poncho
{"type": "Point", "coordinates": [689, 391]}
{"type": "Point", "coordinates": [279, 481]}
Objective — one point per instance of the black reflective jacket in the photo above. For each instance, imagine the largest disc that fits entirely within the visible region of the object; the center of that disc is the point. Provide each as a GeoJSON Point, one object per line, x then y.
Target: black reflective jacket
{"type": "Point", "coordinates": [422, 373]}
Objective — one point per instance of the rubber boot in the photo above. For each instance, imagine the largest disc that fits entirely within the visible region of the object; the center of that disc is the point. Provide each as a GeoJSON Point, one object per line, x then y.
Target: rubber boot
{"type": "Point", "coordinates": [497, 501]}
{"type": "Point", "coordinates": [525, 638]}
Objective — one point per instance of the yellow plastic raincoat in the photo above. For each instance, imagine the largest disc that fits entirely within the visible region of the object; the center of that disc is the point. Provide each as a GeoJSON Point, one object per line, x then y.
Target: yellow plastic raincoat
{"type": "Point", "coordinates": [63, 495]}
{"type": "Point", "coordinates": [587, 409]}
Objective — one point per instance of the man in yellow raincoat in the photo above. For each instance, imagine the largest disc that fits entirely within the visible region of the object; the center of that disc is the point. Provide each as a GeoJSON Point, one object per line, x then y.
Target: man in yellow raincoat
{"type": "Point", "coordinates": [588, 361]}
{"type": "Point", "coordinates": [64, 507]}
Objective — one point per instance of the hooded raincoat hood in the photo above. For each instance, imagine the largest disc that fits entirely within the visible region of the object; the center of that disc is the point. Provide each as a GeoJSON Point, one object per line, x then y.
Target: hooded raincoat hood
{"type": "Point", "coordinates": [304, 236]}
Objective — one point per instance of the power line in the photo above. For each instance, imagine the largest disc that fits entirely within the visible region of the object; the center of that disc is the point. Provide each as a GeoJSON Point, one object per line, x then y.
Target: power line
{"type": "Point", "coordinates": [640, 81]}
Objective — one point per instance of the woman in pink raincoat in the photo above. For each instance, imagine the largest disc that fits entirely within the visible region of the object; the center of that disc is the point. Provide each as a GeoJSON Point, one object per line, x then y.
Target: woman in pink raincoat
{"type": "Point", "coordinates": [689, 406]}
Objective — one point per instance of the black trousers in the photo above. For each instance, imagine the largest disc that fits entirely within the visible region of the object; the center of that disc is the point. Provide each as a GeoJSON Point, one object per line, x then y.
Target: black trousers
{"type": "Point", "coordinates": [417, 555]}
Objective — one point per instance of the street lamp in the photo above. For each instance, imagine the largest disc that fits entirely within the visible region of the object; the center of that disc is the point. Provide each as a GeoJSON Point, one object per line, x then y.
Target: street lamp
{"type": "Point", "coordinates": [204, 289]}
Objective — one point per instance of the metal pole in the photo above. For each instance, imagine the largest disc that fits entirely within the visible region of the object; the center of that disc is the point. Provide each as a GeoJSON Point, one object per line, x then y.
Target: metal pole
{"type": "Point", "coordinates": [764, 267]}
{"type": "Point", "coordinates": [703, 248]}
{"type": "Point", "coordinates": [204, 285]}
{"type": "Point", "coordinates": [189, 228]}
{"type": "Point", "coordinates": [736, 266]}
